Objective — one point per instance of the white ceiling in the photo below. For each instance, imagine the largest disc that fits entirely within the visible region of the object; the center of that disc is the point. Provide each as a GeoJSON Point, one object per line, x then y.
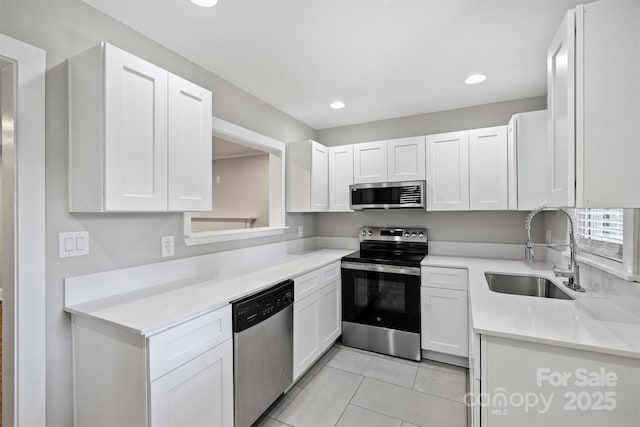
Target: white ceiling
{"type": "Point", "coordinates": [383, 58]}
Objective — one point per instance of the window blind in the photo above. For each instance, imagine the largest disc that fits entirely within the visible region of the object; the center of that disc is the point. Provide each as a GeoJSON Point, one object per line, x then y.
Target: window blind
{"type": "Point", "coordinates": [600, 231]}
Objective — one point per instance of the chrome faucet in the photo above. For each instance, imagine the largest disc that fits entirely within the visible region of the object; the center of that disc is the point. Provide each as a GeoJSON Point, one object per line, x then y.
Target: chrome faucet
{"type": "Point", "coordinates": [573, 272]}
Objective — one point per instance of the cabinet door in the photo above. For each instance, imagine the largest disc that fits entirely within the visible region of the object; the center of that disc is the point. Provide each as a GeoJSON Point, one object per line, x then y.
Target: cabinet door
{"type": "Point", "coordinates": [319, 177]}
{"type": "Point", "coordinates": [406, 159]}
{"type": "Point", "coordinates": [531, 140]}
{"type": "Point", "coordinates": [135, 130]}
{"type": "Point", "coordinates": [447, 170]}
{"type": "Point", "coordinates": [306, 333]}
{"type": "Point", "coordinates": [444, 321]}
{"type": "Point", "coordinates": [370, 162]}
{"type": "Point", "coordinates": [488, 169]}
{"type": "Point", "coordinates": [189, 146]}
{"type": "Point", "coordinates": [512, 159]}
{"type": "Point", "coordinates": [330, 314]}
{"type": "Point", "coordinates": [198, 393]}
{"type": "Point", "coordinates": [561, 115]}
{"type": "Point", "coordinates": [340, 177]}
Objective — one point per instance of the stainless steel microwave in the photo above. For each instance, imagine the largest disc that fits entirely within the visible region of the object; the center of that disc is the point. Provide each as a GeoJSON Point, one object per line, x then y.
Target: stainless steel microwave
{"type": "Point", "coordinates": [388, 195]}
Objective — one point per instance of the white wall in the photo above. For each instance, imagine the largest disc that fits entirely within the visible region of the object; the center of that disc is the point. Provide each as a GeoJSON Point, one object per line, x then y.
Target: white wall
{"type": "Point", "coordinates": [493, 227]}
{"type": "Point", "coordinates": [65, 28]}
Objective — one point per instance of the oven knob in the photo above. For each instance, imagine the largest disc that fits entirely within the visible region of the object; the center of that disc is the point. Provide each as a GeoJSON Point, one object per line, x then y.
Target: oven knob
{"type": "Point", "coordinates": [370, 233]}
{"type": "Point", "coordinates": [364, 232]}
{"type": "Point", "coordinates": [421, 235]}
{"type": "Point", "coordinates": [414, 234]}
{"type": "Point", "coordinates": [406, 234]}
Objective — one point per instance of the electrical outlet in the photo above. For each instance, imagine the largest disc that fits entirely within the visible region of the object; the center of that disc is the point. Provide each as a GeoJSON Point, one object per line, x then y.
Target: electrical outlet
{"type": "Point", "coordinates": [168, 248]}
{"type": "Point", "coordinates": [217, 179]}
{"type": "Point", "coordinates": [300, 230]}
{"type": "Point", "coordinates": [547, 236]}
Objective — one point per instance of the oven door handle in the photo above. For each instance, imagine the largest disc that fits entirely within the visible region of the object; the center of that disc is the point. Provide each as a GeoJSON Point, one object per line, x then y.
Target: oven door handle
{"type": "Point", "coordinates": [381, 268]}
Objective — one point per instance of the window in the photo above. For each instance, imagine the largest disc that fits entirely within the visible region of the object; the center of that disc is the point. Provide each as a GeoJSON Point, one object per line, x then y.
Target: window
{"type": "Point", "coordinates": [601, 231]}
{"type": "Point", "coordinates": [242, 210]}
{"type": "Point", "coordinates": [609, 239]}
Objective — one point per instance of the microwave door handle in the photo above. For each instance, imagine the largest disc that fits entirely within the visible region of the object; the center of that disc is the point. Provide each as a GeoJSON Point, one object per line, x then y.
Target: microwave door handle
{"type": "Point", "coordinates": [381, 268]}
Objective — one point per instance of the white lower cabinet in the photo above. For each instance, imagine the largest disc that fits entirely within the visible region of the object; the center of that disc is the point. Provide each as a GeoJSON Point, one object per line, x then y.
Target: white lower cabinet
{"type": "Point", "coordinates": [306, 333]}
{"type": "Point", "coordinates": [317, 319]}
{"type": "Point", "coordinates": [530, 384]}
{"type": "Point", "coordinates": [199, 393]}
{"type": "Point", "coordinates": [444, 306]}
{"type": "Point", "coordinates": [182, 376]}
{"type": "Point", "coordinates": [331, 313]}
{"type": "Point", "coordinates": [444, 321]}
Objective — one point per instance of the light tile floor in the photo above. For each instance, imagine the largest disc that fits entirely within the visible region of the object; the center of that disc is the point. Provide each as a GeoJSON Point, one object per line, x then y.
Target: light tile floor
{"type": "Point", "coordinates": [355, 388]}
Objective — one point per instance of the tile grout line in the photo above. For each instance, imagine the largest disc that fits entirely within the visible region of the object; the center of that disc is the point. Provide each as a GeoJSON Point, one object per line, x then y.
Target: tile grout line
{"type": "Point", "coordinates": [379, 413]}
{"type": "Point", "coordinates": [397, 385]}
{"type": "Point", "coordinates": [349, 403]}
{"type": "Point", "coordinates": [277, 420]}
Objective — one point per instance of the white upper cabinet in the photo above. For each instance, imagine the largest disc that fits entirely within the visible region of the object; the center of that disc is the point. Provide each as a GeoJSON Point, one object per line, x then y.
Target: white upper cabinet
{"type": "Point", "coordinates": [527, 136]}
{"type": "Point", "coordinates": [121, 122]}
{"type": "Point", "coordinates": [561, 113]}
{"type": "Point", "coordinates": [319, 177]}
{"type": "Point", "coordinates": [488, 169]}
{"type": "Point", "coordinates": [406, 159]}
{"type": "Point", "coordinates": [307, 177]}
{"type": "Point", "coordinates": [593, 82]}
{"type": "Point", "coordinates": [512, 160]}
{"type": "Point", "coordinates": [447, 171]}
{"type": "Point", "coordinates": [189, 143]}
{"type": "Point", "coordinates": [340, 177]}
{"type": "Point", "coordinates": [370, 162]}
{"type": "Point", "coordinates": [135, 133]}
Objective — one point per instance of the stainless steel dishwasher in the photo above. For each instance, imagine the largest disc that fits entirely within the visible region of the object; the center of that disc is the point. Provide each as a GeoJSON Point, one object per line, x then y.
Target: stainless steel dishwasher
{"type": "Point", "coordinates": [262, 350]}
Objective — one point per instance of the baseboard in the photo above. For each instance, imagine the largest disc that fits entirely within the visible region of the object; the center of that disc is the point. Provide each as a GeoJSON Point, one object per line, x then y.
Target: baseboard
{"type": "Point", "coordinates": [445, 358]}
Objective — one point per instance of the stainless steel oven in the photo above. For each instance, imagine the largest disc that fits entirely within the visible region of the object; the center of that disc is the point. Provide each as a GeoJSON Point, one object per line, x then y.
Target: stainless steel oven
{"type": "Point", "coordinates": [381, 292]}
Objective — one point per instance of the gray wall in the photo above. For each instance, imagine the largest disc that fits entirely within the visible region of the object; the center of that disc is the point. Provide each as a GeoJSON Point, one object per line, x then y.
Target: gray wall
{"type": "Point", "coordinates": [431, 123]}
{"type": "Point", "coordinates": [64, 28]}
{"type": "Point", "coordinates": [491, 227]}
{"type": "Point", "coordinates": [497, 227]}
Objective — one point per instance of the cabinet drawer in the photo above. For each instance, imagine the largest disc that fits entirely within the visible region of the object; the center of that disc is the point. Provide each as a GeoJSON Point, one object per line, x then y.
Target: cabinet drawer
{"type": "Point", "coordinates": [446, 278]}
{"type": "Point", "coordinates": [307, 284]}
{"type": "Point", "coordinates": [330, 273]}
{"type": "Point", "coordinates": [178, 345]}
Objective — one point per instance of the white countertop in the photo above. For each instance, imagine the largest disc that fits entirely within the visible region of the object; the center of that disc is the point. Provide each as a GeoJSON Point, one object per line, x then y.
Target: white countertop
{"type": "Point", "coordinates": [151, 310]}
{"type": "Point", "coordinates": [590, 322]}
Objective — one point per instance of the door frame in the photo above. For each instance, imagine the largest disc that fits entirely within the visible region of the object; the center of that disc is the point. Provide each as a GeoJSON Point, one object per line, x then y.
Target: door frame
{"type": "Point", "coordinates": [24, 317]}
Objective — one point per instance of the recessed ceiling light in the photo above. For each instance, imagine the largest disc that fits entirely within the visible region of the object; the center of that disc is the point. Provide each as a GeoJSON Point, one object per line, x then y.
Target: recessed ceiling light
{"type": "Point", "coordinates": [473, 78]}
{"type": "Point", "coordinates": [337, 105]}
{"type": "Point", "coordinates": [205, 3]}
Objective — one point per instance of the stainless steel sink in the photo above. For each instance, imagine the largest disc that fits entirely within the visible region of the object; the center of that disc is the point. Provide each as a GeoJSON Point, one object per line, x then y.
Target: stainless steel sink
{"type": "Point", "coordinates": [525, 285]}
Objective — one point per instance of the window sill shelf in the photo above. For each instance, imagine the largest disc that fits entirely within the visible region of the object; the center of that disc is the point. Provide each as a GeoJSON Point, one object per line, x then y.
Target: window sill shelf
{"type": "Point", "coordinates": [604, 266]}
{"type": "Point", "coordinates": [225, 236]}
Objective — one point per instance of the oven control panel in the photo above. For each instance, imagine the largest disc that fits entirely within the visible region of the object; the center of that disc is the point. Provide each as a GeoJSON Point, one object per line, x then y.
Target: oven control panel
{"type": "Point", "coordinates": [393, 234]}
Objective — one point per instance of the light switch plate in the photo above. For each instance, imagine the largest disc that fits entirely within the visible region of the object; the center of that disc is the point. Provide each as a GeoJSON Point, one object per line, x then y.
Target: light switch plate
{"type": "Point", "coordinates": [73, 243]}
{"type": "Point", "coordinates": [300, 230]}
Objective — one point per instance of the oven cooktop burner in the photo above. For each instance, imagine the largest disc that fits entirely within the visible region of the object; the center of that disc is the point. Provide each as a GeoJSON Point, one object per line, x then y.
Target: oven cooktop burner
{"type": "Point", "coordinates": [404, 247]}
